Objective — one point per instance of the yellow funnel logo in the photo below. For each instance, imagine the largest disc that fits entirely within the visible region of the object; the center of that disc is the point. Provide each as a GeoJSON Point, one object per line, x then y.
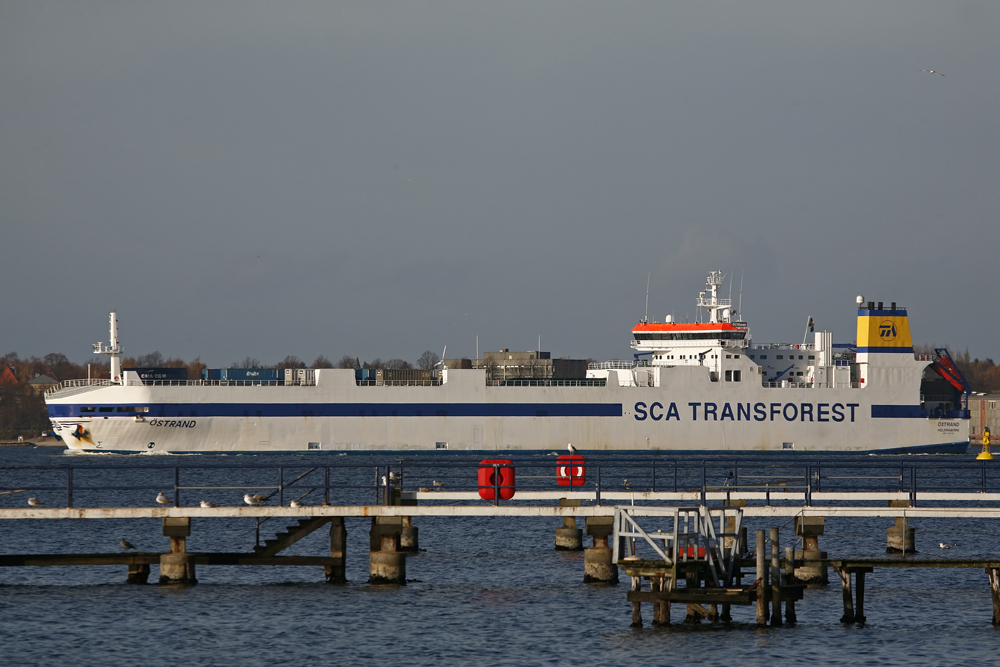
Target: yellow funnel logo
{"type": "Point", "coordinates": [887, 331]}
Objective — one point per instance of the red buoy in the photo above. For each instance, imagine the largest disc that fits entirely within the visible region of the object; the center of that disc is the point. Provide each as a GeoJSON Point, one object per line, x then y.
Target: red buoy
{"type": "Point", "coordinates": [571, 471]}
{"type": "Point", "coordinates": [488, 482]}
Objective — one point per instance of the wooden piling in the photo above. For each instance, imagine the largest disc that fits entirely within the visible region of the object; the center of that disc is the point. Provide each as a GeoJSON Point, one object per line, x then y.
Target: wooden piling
{"type": "Point", "coordinates": [775, 578]}
{"type": "Point", "coordinates": [636, 606]}
{"type": "Point", "coordinates": [138, 573]}
{"type": "Point", "coordinates": [859, 611]}
{"type": "Point", "coordinates": [994, 577]}
{"type": "Point", "coordinates": [845, 579]}
{"type": "Point", "coordinates": [789, 578]}
{"type": "Point", "coordinates": [762, 583]}
{"type": "Point", "coordinates": [337, 574]}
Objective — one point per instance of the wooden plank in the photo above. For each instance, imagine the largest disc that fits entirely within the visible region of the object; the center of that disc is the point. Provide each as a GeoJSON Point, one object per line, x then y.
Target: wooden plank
{"type": "Point", "coordinates": [695, 596]}
{"type": "Point", "coordinates": [208, 558]}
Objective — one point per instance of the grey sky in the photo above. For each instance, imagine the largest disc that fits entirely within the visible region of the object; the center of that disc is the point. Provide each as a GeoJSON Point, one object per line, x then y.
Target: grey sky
{"type": "Point", "coordinates": [381, 178]}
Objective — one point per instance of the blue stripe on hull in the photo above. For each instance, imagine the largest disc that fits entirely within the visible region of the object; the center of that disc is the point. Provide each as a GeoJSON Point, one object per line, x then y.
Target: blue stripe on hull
{"type": "Point", "coordinates": [357, 410]}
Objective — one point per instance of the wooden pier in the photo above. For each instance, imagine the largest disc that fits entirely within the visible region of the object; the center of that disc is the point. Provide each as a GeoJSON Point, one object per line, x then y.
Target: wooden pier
{"type": "Point", "coordinates": [696, 563]}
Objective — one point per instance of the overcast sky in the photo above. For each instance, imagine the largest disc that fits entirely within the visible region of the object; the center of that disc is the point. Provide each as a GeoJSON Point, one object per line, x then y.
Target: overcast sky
{"type": "Point", "coordinates": [381, 178]}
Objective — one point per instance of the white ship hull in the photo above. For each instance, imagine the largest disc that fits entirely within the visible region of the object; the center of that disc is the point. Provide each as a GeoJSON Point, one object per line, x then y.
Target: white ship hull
{"type": "Point", "coordinates": [703, 388]}
{"type": "Point", "coordinates": [687, 413]}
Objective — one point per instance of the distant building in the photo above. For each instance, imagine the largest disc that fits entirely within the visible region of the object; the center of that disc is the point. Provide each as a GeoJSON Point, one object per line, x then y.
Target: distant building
{"type": "Point", "coordinates": [984, 412]}
{"type": "Point", "coordinates": [9, 377]}
{"type": "Point", "coordinates": [42, 382]}
{"type": "Point", "coordinates": [530, 365]}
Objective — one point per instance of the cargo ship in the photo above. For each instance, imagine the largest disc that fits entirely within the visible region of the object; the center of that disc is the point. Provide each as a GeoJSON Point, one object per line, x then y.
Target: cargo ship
{"type": "Point", "coordinates": [700, 386]}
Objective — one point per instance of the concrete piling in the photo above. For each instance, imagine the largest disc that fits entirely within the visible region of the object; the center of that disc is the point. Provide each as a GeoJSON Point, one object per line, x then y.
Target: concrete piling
{"type": "Point", "coordinates": [598, 566]}
{"type": "Point", "coordinates": [408, 537]}
{"type": "Point", "coordinates": [901, 537]}
{"type": "Point", "coordinates": [569, 537]}
{"type": "Point", "coordinates": [810, 528]}
{"type": "Point", "coordinates": [177, 567]}
{"type": "Point", "coordinates": [387, 561]}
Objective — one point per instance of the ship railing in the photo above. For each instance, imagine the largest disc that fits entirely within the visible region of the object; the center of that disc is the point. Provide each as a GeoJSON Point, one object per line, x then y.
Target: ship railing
{"type": "Point", "coordinates": [431, 382]}
{"type": "Point", "coordinates": [811, 385]}
{"type": "Point", "coordinates": [66, 384]}
{"type": "Point", "coordinates": [613, 364]}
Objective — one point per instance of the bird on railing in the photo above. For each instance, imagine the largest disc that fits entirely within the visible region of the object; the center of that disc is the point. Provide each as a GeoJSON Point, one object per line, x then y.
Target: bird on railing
{"type": "Point", "coordinates": [295, 504]}
{"type": "Point", "coordinates": [162, 499]}
{"type": "Point", "coordinates": [628, 484]}
{"type": "Point", "coordinates": [394, 476]}
{"type": "Point", "coordinates": [437, 483]}
{"type": "Point", "coordinates": [571, 448]}
{"type": "Point", "coordinates": [206, 503]}
{"type": "Point", "coordinates": [35, 502]}
{"type": "Point", "coordinates": [126, 545]}
{"type": "Point", "coordinates": [256, 499]}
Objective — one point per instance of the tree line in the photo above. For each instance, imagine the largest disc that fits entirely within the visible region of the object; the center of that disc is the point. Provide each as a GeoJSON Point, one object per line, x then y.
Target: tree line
{"type": "Point", "coordinates": [23, 412]}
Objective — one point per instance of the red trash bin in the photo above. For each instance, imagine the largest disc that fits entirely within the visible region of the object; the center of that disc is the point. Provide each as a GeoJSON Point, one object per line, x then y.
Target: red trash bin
{"type": "Point", "coordinates": [571, 470]}
{"type": "Point", "coordinates": [487, 481]}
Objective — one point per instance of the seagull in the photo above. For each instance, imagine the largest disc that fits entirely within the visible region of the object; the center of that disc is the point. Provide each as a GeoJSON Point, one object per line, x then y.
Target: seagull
{"type": "Point", "coordinates": [571, 448]}
{"type": "Point", "coordinates": [295, 503]}
{"type": "Point", "coordinates": [126, 545]}
{"type": "Point", "coordinates": [931, 71]}
{"type": "Point", "coordinates": [255, 500]}
{"type": "Point", "coordinates": [628, 484]}
{"type": "Point", "coordinates": [384, 482]}
{"type": "Point", "coordinates": [35, 502]}
{"type": "Point", "coordinates": [942, 545]}
{"type": "Point", "coordinates": [162, 499]}
{"type": "Point", "coordinates": [437, 483]}
{"type": "Point", "coordinates": [393, 476]}
{"type": "Point", "coordinates": [206, 503]}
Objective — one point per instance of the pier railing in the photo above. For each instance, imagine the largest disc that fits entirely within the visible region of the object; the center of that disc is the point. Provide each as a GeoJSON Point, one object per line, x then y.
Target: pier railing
{"type": "Point", "coordinates": [92, 482]}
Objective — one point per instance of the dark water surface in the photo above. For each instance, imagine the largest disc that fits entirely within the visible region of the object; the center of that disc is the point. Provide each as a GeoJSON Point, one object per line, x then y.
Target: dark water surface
{"type": "Point", "coordinates": [482, 591]}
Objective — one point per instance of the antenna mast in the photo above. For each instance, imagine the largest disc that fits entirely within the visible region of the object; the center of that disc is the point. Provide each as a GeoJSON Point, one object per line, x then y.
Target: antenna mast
{"type": "Point", "coordinates": [645, 318]}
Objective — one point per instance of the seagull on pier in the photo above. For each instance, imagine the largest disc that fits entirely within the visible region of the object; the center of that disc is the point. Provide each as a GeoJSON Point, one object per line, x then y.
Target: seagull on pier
{"type": "Point", "coordinates": [126, 545]}
{"type": "Point", "coordinates": [162, 499]}
{"type": "Point", "coordinates": [437, 483]}
{"type": "Point", "coordinates": [296, 504]}
{"type": "Point", "coordinates": [254, 500]}
{"type": "Point", "coordinates": [571, 448]}
{"type": "Point", "coordinates": [206, 503]}
{"type": "Point", "coordinates": [394, 476]}
{"type": "Point", "coordinates": [628, 484]}
{"type": "Point", "coordinates": [384, 481]}
{"type": "Point", "coordinates": [932, 71]}
{"type": "Point", "coordinates": [35, 502]}
{"type": "Point", "coordinates": [942, 545]}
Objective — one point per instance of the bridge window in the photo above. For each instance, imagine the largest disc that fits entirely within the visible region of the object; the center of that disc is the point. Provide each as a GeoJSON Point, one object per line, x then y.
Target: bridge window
{"type": "Point", "coordinates": [780, 356]}
{"type": "Point", "coordinates": [763, 356]}
{"type": "Point", "coordinates": [88, 409]}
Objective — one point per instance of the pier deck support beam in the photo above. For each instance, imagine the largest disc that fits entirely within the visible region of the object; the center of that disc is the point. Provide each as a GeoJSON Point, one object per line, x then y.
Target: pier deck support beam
{"type": "Point", "coordinates": [789, 578]}
{"type": "Point", "coordinates": [337, 574]}
{"type": "Point", "coordinates": [569, 537]}
{"type": "Point", "coordinates": [763, 588]}
{"type": "Point", "coordinates": [901, 537]}
{"type": "Point", "coordinates": [810, 528]}
{"type": "Point", "coordinates": [177, 567]}
{"type": "Point", "coordinates": [598, 567]}
{"type": "Point", "coordinates": [636, 606]}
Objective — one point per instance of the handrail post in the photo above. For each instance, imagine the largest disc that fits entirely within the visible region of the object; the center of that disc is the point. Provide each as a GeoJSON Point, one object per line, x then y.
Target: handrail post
{"type": "Point", "coordinates": [177, 486]}
{"type": "Point", "coordinates": [704, 464]}
{"type": "Point", "coordinates": [69, 487]}
{"type": "Point", "coordinates": [281, 486]}
{"type": "Point", "coordinates": [913, 488]}
{"type": "Point", "coordinates": [809, 479]}
{"type": "Point", "coordinates": [326, 486]}
{"type": "Point", "coordinates": [597, 498]}
{"type": "Point", "coordinates": [496, 484]}
{"type": "Point", "coordinates": [654, 476]}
